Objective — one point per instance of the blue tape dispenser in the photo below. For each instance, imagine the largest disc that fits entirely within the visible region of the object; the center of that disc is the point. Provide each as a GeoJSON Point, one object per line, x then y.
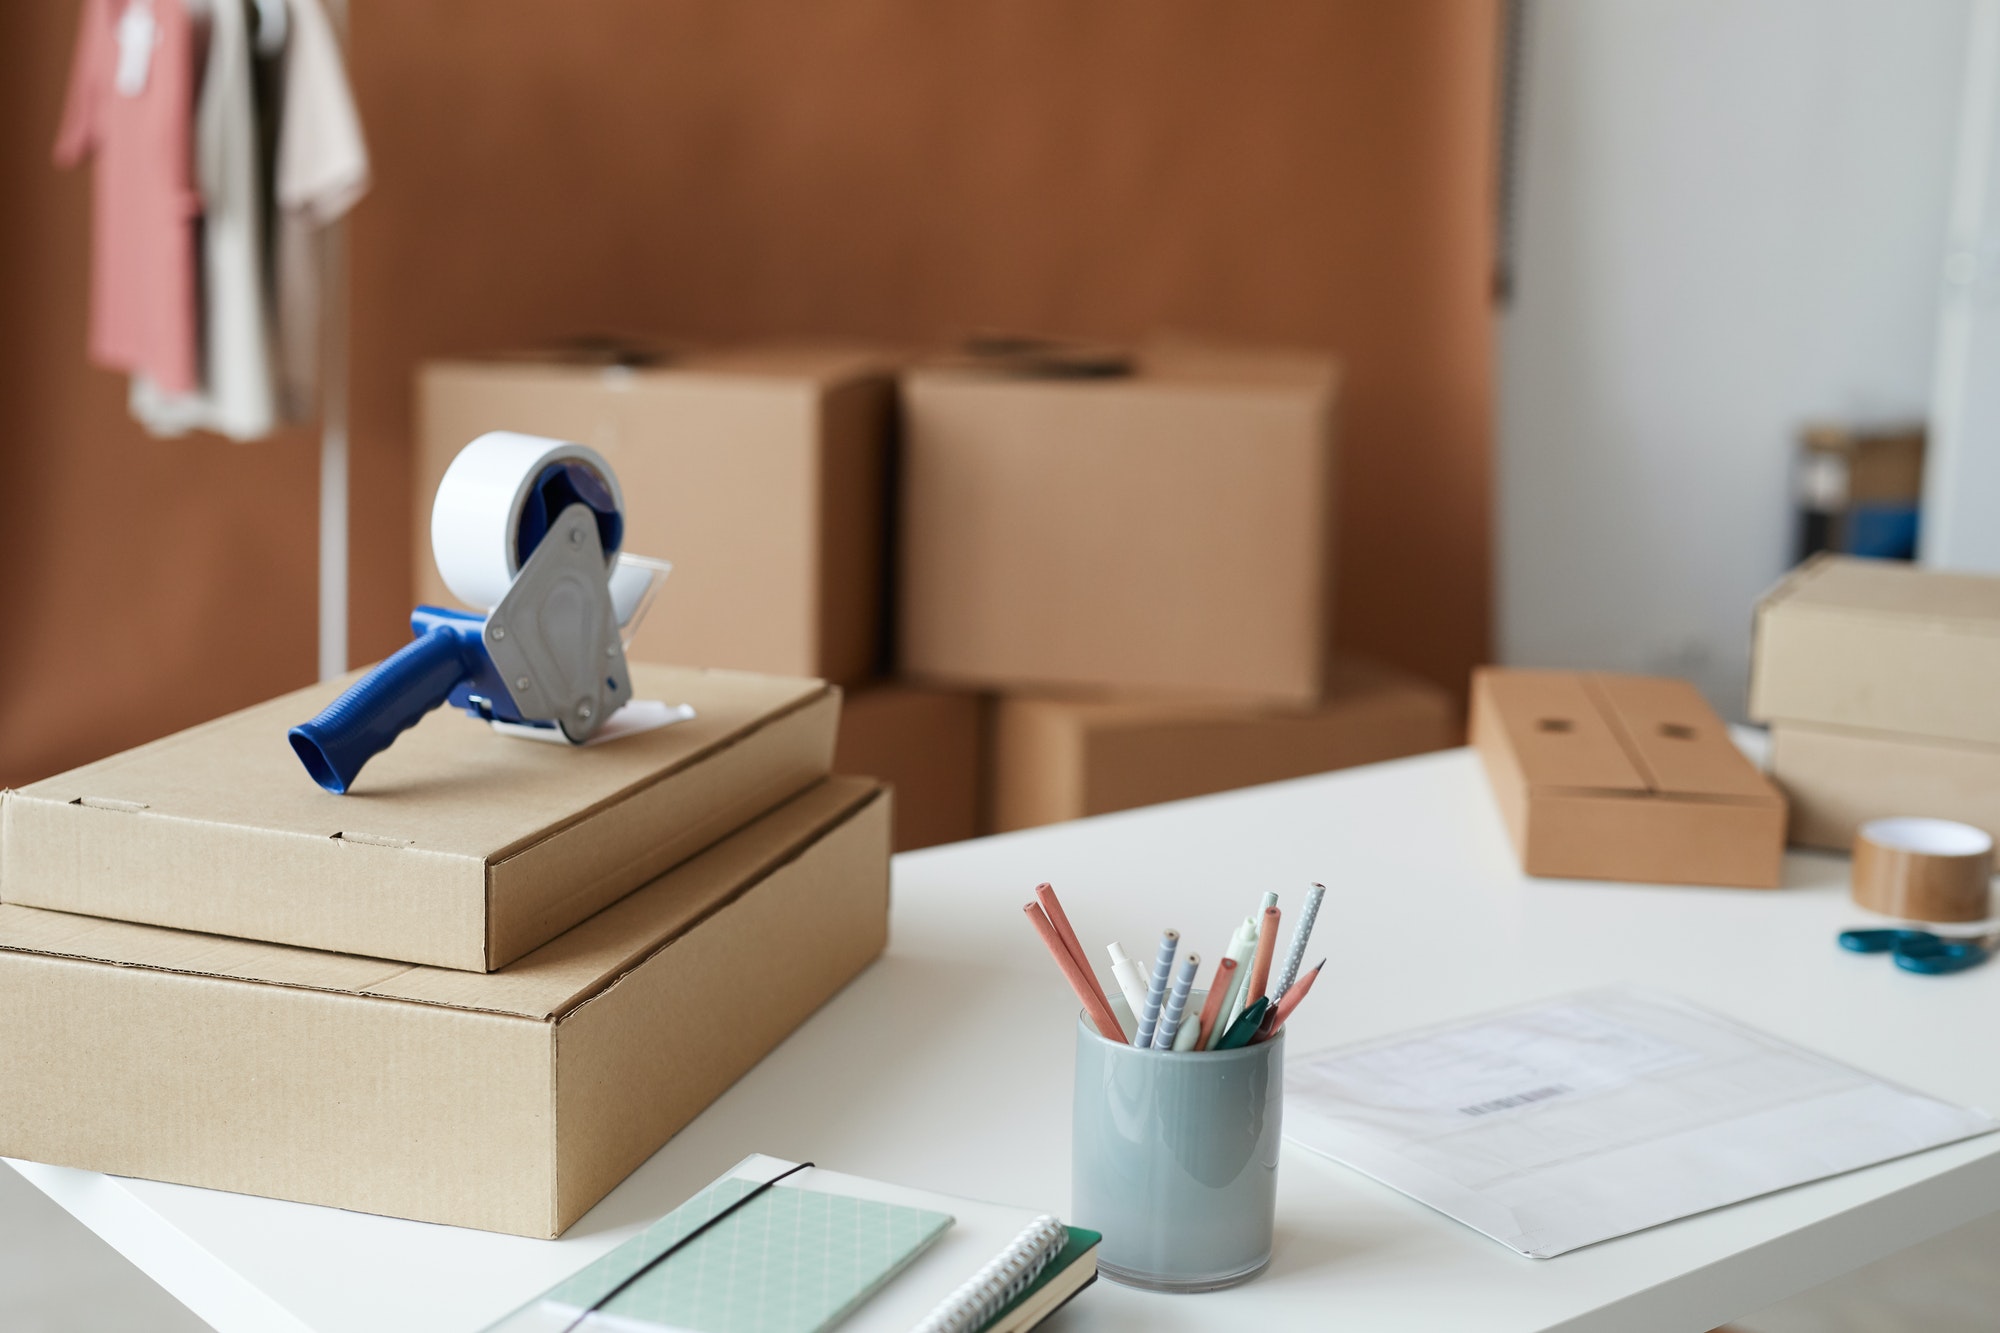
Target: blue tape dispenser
{"type": "Point", "coordinates": [531, 529]}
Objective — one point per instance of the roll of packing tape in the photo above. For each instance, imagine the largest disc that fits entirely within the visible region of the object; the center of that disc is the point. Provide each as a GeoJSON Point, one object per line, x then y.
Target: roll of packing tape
{"type": "Point", "coordinates": [1923, 869]}
{"type": "Point", "coordinates": [476, 522]}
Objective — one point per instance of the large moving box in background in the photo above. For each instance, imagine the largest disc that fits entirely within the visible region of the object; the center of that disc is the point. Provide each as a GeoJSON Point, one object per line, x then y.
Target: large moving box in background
{"type": "Point", "coordinates": [928, 744]}
{"type": "Point", "coordinates": [1058, 758]}
{"type": "Point", "coordinates": [1168, 530]}
{"type": "Point", "coordinates": [458, 847]}
{"type": "Point", "coordinates": [1878, 680]}
{"type": "Point", "coordinates": [1603, 776]}
{"type": "Point", "coordinates": [511, 1101]}
{"type": "Point", "coordinates": [759, 472]}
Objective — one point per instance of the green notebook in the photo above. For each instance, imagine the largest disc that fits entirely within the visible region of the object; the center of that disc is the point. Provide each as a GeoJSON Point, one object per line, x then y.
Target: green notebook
{"type": "Point", "coordinates": [792, 1261]}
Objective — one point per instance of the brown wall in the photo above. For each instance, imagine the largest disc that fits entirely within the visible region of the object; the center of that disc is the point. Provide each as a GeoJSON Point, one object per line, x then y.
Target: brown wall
{"type": "Point", "coordinates": [1301, 170]}
{"type": "Point", "coordinates": [144, 584]}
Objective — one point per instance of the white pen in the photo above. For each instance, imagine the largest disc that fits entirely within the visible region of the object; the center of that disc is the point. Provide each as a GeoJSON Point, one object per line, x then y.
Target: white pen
{"type": "Point", "coordinates": [1131, 981]}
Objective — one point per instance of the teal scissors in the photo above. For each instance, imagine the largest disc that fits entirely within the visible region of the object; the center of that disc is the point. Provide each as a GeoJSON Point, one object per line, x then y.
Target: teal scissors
{"type": "Point", "coordinates": [1921, 951]}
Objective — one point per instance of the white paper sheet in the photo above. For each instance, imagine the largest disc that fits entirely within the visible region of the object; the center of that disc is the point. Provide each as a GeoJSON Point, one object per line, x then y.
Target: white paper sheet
{"type": "Point", "coordinates": [1575, 1120]}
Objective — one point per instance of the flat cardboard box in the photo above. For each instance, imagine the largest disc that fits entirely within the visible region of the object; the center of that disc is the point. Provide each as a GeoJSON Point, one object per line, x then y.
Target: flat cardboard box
{"type": "Point", "coordinates": [1624, 777]}
{"type": "Point", "coordinates": [761, 473]}
{"type": "Point", "coordinates": [1169, 531]}
{"type": "Point", "coordinates": [1837, 780]}
{"type": "Point", "coordinates": [930, 746]}
{"type": "Point", "coordinates": [510, 1102]}
{"type": "Point", "coordinates": [1880, 645]}
{"type": "Point", "coordinates": [458, 847]}
{"type": "Point", "coordinates": [1058, 758]}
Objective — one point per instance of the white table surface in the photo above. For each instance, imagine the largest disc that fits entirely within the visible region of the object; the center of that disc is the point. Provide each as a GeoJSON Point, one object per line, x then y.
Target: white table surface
{"type": "Point", "coordinates": [947, 1066]}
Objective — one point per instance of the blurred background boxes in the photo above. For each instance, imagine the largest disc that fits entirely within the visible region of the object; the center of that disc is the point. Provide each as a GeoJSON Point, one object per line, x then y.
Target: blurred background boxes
{"type": "Point", "coordinates": [1167, 530]}
{"type": "Point", "coordinates": [1064, 758]}
{"type": "Point", "coordinates": [1878, 681]}
{"type": "Point", "coordinates": [760, 472]}
{"type": "Point", "coordinates": [930, 745]}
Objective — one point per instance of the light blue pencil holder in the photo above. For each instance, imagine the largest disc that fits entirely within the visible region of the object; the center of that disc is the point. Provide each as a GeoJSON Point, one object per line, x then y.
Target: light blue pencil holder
{"type": "Point", "coordinates": [1174, 1158]}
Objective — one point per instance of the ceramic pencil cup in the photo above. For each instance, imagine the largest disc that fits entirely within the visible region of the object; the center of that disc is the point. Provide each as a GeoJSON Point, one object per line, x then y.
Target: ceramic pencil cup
{"type": "Point", "coordinates": [1175, 1158]}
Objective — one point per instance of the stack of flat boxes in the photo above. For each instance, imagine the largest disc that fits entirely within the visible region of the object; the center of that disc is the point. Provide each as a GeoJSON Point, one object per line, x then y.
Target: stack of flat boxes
{"type": "Point", "coordinates": [1878, 681]}
{"type": "Point", "coordinates": [764, 474]}
{"type": "Point", "coordinates": [1141, 565]}
{"type": "Point", "coordinates": [481, 989]}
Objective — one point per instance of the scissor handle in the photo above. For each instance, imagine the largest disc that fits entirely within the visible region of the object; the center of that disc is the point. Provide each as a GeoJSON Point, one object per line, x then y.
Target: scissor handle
{"type": "Point", "coordinates": [1940, 956]}
{"type": "Point", "coordinates": [1885, 940]}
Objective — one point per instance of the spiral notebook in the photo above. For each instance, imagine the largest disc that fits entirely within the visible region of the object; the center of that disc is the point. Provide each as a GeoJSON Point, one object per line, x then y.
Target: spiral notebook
{"type": "Point", "coordinates": [818, 1251]}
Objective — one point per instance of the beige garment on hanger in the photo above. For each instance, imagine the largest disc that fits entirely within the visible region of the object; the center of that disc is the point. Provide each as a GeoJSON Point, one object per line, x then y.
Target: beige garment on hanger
{"type": "Point", "coordinates": [322, 171]}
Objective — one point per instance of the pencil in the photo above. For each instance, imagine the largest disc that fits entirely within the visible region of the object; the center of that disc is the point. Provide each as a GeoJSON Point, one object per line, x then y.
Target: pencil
{"type": "Point", "coordinates": [1086, 990]}
{"type": "Point", "coordinates": [1171, 1016]}
{"type": "Point", "coordinates": [1289, 1003]}
{"type": "Point", "coordinates": [1302, 930]}
{"type": "Point", "coordinates": [1218, 990]}
{"type": "Point", "coordinates": [1267, 946]}
{"type": "Point", "coordinates": [1045, 894]}
{"type": "Point", "coordinates": [1156, 989]}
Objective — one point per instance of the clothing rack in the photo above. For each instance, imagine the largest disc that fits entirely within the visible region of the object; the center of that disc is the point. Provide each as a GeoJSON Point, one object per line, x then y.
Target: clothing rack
{"type": "Point", "coordinates": [333, 438]}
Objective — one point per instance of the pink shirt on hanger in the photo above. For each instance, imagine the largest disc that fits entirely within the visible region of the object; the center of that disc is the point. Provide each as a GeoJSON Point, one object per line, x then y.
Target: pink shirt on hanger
{"type": "Point", "coordinates": [143, 314]}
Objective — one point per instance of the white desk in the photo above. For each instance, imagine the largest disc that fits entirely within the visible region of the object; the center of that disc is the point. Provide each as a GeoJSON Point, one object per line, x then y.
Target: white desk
{"type": "Point", "coordinates": [947, 1066]}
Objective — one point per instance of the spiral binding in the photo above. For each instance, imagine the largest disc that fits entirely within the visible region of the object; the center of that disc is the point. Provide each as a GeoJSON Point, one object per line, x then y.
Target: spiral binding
{"type": "Point", "coordinates": [987, 1291]}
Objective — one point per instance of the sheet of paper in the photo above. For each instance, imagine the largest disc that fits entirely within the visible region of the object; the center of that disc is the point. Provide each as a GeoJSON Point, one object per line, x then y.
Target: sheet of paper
{"type": "Point", "coordinates": [1572, 1121]}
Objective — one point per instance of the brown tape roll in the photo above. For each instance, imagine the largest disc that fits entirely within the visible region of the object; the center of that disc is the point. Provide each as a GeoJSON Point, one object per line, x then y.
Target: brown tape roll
{"type": "Point", "coordinates": [1923, 869]}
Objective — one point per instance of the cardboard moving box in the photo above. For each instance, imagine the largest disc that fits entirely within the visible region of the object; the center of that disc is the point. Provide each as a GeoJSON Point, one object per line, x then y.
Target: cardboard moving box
{"type": "Point", "coordinates": [1837, 780]}
{"type": "Point", "coordinates": [1057, 759]}
{"type": "Point", "coordinates": [1624, 777]}
{"type": "Point", "coordinates": [509, 1102]}
{"type": "Point", "coordinates": [1878, 645]}
{"type": "Point", "coordinates": [458, 847]}
{"type": "Point", "coordinates": [759, 472]}
{"type": "Point", "coordinates": [1169, 531]}
{"type": "Point", "coordinates": [930, 745]}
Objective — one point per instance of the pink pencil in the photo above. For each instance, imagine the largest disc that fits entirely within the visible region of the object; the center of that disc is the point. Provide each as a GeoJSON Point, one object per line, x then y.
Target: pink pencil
{"type": "Point", "coordinates": [1080, 981]}
{"type": "Point", "coordinates": [1289, 1003]}
{"type": "Point", "coordinates": [1260, 967]}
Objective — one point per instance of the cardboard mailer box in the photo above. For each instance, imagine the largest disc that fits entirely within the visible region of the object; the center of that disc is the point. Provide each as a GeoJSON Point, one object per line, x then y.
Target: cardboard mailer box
{"type": "Point", "coordinates": [761, 473]}
{"type": "Point", "coordinates": [1624, 777]}
{"type": "Point", "coordinates": [1059, 758]}
{"type": "Point", "coordinates": [1837, 780]}
{"type": "Point", "coordinates": [511, 1101]}
{"type": "Point", "coordinates": [930, 745]}
{"type": "Point", "coordinates": [1171, 530]}
{"type": "Point", "coordinates": [1880, 645]}
{"type": "Point", "coordinates": [458, 847]}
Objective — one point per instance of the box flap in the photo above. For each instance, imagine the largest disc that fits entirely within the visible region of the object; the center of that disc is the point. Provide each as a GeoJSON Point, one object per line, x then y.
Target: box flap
{"type": "Point", "coordinates": [449, 785]}
{"type": "Point", "coordinates": [544, 984]}
{"type": "Point", "coordinates": [1849, 585]}
{"type": "Point", "coordinates": [1676, 740]}
{"type": "Point", "coordinates": [1559, 732]}
{"type": "Point", "coordinates": [785, 364]}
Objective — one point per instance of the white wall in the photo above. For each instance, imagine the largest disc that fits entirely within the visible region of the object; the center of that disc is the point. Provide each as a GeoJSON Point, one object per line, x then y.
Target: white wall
{"type": "Point", "coordinates": [1730, 219]}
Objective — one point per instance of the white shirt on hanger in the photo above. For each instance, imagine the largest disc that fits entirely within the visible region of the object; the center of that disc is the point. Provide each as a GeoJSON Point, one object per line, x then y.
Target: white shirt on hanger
{"type": "Point", "coordinates": [322, 171]}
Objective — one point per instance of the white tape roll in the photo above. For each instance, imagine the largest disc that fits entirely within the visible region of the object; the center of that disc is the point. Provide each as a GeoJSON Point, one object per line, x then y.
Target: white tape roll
{"type": "Point", "coordinates": [478, 509]}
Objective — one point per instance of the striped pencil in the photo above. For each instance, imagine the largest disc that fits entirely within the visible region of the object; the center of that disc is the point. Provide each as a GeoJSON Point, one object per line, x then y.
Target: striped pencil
{"type": "Point", "coordinates": [1170, 1021]}
{"type": "Point", "coordinates": [1156, 989]}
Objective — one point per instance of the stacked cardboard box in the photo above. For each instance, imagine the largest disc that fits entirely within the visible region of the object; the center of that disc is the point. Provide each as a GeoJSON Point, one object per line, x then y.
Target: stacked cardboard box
{"type": "Point", "coordinates": [477, 990]}
{"type": "Point", "coordinates": [763, 474]}
{"type": "Point", "coordinates": [1138, 556]}
{"type": "Point", "coordinates": [1877, 680]}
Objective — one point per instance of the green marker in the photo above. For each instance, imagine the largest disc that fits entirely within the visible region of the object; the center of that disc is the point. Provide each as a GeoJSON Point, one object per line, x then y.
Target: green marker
{"type": "Point", "coordinates": [1243, 1029]}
